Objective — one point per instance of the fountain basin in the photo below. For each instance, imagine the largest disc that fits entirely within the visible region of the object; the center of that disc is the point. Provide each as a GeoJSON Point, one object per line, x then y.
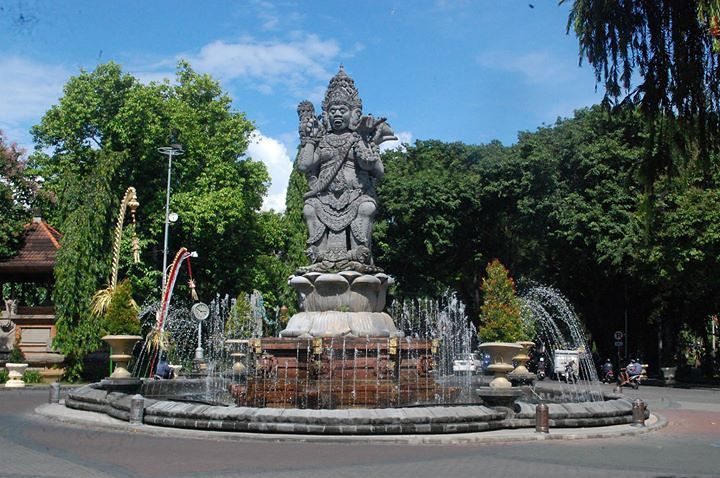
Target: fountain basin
{"type": "Point", "coordinates": [384, 421]}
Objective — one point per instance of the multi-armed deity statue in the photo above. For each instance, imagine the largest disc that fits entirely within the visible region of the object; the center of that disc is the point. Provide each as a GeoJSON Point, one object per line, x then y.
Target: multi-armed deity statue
{"type": "Point", "coordinates": [342, 290]}
{"type": "Point", "coordinates": [340, 157]}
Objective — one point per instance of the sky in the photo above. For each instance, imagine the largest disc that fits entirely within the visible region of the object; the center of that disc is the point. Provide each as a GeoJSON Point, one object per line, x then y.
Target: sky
{"type": "Point", "coordinates": [450, 70]}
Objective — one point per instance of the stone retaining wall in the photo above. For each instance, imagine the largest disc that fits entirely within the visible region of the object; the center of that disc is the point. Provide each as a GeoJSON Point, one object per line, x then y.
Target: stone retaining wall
{"type": "Point", "coordinates": [385, 421]}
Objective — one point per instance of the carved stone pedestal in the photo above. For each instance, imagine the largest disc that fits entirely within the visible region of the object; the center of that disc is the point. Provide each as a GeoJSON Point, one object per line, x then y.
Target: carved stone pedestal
{"type": "Point", "coordinates": [344, 304]}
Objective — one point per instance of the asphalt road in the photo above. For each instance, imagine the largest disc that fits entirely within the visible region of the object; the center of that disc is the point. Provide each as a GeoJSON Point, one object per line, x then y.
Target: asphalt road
{"type": "Point", "coordinates": [32, 446]}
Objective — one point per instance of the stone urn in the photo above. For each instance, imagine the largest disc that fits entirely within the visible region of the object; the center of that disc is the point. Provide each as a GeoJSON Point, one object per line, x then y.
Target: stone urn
{"type": "Point", "coordinates": [121, 347]}
{"type": "Point", "coordinates": [501, 354]}
{"type": "Point", "coordinates": [238, 367]}
{"type": "Point", "coordinates": [238, 357]}
{"type": "Point", "coordinates": [521, 373]}
{"type": "Point", "coordinates": [15, 375]}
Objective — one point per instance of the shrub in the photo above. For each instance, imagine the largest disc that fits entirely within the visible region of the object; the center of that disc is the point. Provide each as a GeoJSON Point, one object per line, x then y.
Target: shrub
{"type": "Point", "coordinates": [32, 376]}
{"type": "Point", "coordinates": [3, 376]}
{"type": "Point", "coordinates": [501, 313]}
{"type": "Point", "coordinates": [16, 355]}
{"type": "Point", "coordinates": [121, 315]}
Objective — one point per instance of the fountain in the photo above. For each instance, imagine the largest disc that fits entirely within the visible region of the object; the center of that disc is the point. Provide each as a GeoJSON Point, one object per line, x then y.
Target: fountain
{"type": "Point", "coordinates": [342, 364]}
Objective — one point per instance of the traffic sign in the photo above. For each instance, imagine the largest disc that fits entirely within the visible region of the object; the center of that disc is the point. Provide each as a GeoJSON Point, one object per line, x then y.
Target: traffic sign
{"type": "Point", "coordinates": [619, 343]}
{"type": "Point", "coordinates": [618, 335]}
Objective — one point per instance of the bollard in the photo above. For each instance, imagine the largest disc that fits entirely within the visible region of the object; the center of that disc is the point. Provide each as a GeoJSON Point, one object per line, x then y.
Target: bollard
{"type": "Point", "coordinates": [54, 393]}
{"type": "Point", "coordinates": [137, 408]}
{"type": "Point", "coordinates": [638, 413]}
{"type": "Point", "coordinates": [542, 418]}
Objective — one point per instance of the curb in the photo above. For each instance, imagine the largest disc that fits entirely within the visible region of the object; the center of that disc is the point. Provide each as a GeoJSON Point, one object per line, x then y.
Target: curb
{"type": "Point", "coordinates": [59, 414]}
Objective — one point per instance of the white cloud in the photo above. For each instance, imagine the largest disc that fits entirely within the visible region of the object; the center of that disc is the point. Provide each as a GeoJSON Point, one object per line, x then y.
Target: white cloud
{"type": "Point", "coordinates": [274, 155]}
{"type": "Point", "coordinates": [404, 137]}
{"type": "Point", "coordinates": [533, 67]}
{"type": "Point", "coordinates": [27, 90]}
{"type": "Point", "coordinates": [295, 63]}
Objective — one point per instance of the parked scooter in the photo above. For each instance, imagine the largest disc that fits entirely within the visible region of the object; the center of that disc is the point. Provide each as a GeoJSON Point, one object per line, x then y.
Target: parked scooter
{"type": "Point", "coordinates": [571, 375]}
{"type": "Point", "coordinates": [541, 369]}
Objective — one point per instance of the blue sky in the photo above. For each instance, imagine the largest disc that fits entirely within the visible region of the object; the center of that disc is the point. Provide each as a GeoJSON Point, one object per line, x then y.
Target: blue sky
{"type": "Point", "coordinates": [452, 70]}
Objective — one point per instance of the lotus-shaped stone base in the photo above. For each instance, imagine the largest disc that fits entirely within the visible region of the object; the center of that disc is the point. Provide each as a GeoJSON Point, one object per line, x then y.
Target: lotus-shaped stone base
{"type": "Point", "coordinates": [346, 303]}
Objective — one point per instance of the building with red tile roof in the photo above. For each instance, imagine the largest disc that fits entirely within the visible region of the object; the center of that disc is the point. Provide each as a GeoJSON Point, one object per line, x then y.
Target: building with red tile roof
{"type": "Point", "coordinates": [33, 325]}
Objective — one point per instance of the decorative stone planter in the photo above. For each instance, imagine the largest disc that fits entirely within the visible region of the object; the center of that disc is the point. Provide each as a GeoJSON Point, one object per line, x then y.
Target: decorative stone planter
{"type": "Point", "coordinates": [121, 347]}
{"type": "Point", "coordinates": [501, 354]}
{"type": "Point", "coordinates": [15, 375]}
{"type": "Point", "coordinates": [238, 348]}
{"type": "Point", "coordinates": [51, 375]}
{"type": "Point", "coordinates": [521, 373]}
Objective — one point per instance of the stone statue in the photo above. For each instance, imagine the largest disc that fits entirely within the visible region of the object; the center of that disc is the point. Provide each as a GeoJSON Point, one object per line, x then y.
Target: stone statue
{"type": "Point", "coordinates": [342, 293]}
{"type": "Point", "coordinates": [339, 155]}
{"type": "Point", "coordinates": [7, 335]}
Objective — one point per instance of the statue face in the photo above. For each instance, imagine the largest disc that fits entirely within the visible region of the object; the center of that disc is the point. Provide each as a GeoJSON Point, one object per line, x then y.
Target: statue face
{"type": "Point", "coordinates": [339, 117]}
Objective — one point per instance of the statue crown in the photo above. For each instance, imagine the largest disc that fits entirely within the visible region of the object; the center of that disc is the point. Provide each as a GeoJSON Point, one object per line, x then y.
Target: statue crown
{"type": "Point", "coordinates": [341, 89]}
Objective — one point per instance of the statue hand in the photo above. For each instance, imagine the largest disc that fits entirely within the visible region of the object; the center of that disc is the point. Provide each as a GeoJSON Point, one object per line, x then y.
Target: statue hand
{"type": "Point", "coordinates": [310, 130]}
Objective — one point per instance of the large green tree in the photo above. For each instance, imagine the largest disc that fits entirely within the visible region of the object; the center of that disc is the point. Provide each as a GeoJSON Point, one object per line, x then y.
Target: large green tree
{"type": "Point", "coordinates": [664, 57]}
{"type": "Point", "coordinates": [102, 137]}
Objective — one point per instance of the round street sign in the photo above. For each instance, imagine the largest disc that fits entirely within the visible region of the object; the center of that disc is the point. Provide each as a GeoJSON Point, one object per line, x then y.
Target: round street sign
{"type": "Point", "coordinates": [618, 335]}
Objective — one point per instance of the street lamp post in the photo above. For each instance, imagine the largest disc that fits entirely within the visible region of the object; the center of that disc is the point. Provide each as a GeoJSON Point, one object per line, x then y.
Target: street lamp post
{"type": "Point", "coordinates": [170, 151]}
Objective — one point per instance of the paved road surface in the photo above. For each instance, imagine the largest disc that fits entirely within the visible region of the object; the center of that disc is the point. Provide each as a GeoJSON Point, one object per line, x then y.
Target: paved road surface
{"type": "Point", "coordinates": [31, 446]}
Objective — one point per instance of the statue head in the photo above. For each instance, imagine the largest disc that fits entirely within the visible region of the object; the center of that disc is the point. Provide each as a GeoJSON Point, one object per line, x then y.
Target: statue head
{"type": "Point", "coordinates": [342, 107]}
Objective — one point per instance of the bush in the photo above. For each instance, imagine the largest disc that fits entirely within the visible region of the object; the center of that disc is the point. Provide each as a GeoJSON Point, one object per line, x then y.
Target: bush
{"type": "Point", "coordinates": [3, 376]}
{"type": "Point", "coordinates": [16, 355]}
{"type": "Point", "coordinates": [32, 376]}
{"type": "Point", "coordinates": [121, 316]}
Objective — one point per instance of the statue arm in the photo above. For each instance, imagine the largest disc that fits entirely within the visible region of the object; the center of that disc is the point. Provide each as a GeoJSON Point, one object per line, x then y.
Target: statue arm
{"type": "Point", "coordinates": [368, 158]}
{"type": "Point", "coordinates": [308, 158]}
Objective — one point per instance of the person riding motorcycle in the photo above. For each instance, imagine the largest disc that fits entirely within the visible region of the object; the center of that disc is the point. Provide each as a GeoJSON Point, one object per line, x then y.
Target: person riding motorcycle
{"type": "Point", "coordinates": [634, 367]}
{"type": "Point", "coordinates": [570, 372]}
{"type": "Point", "coordinates": [541, 368]}
{"type": "Point", "coordinates": [630, 375]}
{"type": "Point", "coordinates": [607, 371]}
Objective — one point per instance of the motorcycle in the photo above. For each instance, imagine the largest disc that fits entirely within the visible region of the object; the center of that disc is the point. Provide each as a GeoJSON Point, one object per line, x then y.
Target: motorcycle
{"type": "Point", "coordinates": [540, 373]}
{"type": "Point", "coordinates": [634, 381]}
{"type": "Point", "coordinates": [570, 373]}
{"type": "Point", "coordinates": [625, 379]}
{"type": "Point", "coordinates": [608, 377]}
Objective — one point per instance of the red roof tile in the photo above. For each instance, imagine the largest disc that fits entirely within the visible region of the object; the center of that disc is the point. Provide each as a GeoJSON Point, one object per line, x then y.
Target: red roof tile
{"type": "Point", "coordinates": [37, 256]}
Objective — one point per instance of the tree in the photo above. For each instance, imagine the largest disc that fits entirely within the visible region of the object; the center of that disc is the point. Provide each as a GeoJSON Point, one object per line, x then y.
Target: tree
{"type": "Point", "coordinates": [425, 235]}
{"type": "Point", "coordinates": [82, 262]}
{"type": "Point", "coordinates": [501, 313]}
{"type": "Point", "coordinates": [18, 192]}
{"type": "Point", "coordinates": [102, 137]}
{"type": "Point", "coordinates": [671, 46]}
